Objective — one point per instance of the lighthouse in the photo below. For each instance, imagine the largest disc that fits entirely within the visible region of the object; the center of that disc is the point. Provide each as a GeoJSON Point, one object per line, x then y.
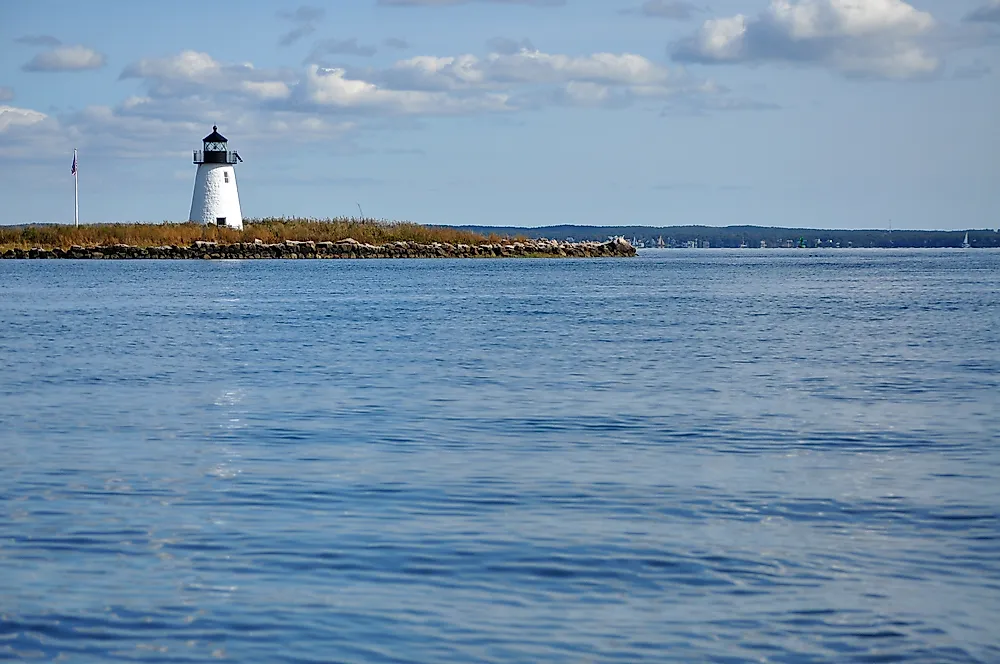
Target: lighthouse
{"type": "Point", "coordinates": [216, 201]}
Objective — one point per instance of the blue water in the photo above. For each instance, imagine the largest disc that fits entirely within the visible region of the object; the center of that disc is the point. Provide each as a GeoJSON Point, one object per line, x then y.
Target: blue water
{"type": "Point", "coordinates": [719, 456]}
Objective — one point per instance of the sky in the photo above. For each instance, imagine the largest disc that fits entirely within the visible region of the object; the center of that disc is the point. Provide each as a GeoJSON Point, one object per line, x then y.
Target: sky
{"type": "Point", "coordinates": [800, 113]}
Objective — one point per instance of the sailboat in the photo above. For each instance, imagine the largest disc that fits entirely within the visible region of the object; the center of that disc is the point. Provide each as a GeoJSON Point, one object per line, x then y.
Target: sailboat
{"type": "Point", "coordinates": [965, 242]}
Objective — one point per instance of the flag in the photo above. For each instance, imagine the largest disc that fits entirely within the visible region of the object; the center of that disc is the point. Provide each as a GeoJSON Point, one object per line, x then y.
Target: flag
{"type": "Point", "coordinates": [73, 170]}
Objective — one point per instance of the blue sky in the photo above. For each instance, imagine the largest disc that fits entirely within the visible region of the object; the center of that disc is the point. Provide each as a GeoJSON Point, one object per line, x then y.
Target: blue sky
{"type": "Point", "coordinates": [806, 113]}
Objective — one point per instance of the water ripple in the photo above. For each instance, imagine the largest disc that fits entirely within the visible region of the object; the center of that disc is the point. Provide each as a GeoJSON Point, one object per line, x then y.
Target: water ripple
{"type": "Point", "coordinates": [692, 456]}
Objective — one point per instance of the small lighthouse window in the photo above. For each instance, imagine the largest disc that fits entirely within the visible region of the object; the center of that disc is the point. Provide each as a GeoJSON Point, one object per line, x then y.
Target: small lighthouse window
{"type": "Point", "coordinates": [225, 175]}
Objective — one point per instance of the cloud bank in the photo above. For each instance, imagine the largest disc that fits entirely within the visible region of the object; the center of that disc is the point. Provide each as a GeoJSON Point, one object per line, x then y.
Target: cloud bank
{"type": "Point", "coordinates": [876, 38]}
{"type": "Point", "coordinates": [421, 85]}
{"type": "Point", "coordinates": [179, 95]}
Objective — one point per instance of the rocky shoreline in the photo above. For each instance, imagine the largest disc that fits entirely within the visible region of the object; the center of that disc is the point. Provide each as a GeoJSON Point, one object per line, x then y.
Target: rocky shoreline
{"type": "Point", "coordinates": [348, 248]}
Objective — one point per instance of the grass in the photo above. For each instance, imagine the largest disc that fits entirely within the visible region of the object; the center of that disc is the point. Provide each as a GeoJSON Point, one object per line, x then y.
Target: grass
{"type": "Point", "coordinates": [268, 230]}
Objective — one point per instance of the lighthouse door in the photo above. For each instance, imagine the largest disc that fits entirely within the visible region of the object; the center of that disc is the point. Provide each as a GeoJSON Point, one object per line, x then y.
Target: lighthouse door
{"type": "Point", "coordinates": [220, 221]}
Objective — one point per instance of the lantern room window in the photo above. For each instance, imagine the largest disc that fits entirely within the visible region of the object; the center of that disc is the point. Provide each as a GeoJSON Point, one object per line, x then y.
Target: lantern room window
{"type": "Point", "coordinates": [215, 142]}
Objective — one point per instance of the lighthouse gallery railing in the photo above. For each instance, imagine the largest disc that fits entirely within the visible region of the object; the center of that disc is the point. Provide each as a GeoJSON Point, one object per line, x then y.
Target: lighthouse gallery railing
{"type": "Point", "coordinates": [211, 157]}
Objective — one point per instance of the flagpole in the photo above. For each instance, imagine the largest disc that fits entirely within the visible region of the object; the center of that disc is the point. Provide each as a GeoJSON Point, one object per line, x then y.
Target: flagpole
{"type": "Point", "coordinates": [76, 191]}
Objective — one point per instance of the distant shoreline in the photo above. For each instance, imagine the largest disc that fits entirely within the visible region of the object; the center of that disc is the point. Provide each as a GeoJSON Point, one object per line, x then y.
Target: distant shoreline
{"type": "Point", "coordinates": [732, 237]}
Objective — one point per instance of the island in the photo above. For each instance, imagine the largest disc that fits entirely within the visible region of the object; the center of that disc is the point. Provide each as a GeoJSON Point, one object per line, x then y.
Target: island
{"type": "Point", "coordinates": [280, 238]}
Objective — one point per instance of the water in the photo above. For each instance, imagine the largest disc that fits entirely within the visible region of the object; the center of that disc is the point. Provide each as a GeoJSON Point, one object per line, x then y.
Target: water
{"type": "Point", "coordinates": [720, 456]}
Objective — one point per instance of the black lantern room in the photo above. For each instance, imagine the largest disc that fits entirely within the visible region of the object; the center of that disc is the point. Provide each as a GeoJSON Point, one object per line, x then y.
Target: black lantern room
{"type": "Point", "coordinates": [216, 150]}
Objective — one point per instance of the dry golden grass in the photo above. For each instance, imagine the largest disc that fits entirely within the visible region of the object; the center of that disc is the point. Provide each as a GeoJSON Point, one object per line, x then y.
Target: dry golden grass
{"type": "Point", "coordinates": [268, 230]}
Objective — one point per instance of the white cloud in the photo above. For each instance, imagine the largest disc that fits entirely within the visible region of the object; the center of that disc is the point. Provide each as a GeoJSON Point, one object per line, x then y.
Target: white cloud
{"type": "Point", "coordinates": [422, 85]}
{"type": "Point", "coordinates": [266, 89]}
{"type": "Point", "coordinates": [722, 39]}
{"type": "Point", "coordinates": [428, 72]}
{"type": "Point", "coordinates": [533, 79]}
{"type": "Point", "coordinates": [131, 128]}
{"type": "Point", "coordinates": [182, 95]}
{"type": "Point", "coordinates": [195, 75]}
{"type": "Point", "coordinates": [143, 127]}
{"type": "Point", "coordinates": [812, 19]}
{"type": "Point", "coordinates": [608, 68]}
{"type": "Point", "coordinates": [857, 37]}
{"type": "Point", "coordinates": [191, 72]}
{"type": "Point", "coordinates": [330, 88]}
{"type": "Point", "coordinates": [584, 94]}
{"type": "Point", "coordinates": [28, 134]}
{"type": "Point", "coordinates": [191, 65]}
{"type": "Point", "coordinates": [12, 117]}
{"type": "Point", "coordinates": [66, 58]}
{"type": "Point", "coordinates": [526, 67]}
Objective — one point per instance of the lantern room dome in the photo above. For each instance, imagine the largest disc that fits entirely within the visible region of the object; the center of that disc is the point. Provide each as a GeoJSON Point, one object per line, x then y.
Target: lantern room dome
{"type": "Point", "coordinates": [215, 136]}
{"type": "Point", "coordinates": [215, 149]}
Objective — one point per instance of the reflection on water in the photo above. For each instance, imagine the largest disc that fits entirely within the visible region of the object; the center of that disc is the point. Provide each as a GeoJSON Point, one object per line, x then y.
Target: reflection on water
{"type": "Point", "coordinates": [689, 456]}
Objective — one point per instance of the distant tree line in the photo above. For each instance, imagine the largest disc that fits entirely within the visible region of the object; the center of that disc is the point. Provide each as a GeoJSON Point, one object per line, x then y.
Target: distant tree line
{"type": "Point", "coordinates": [752, 236]}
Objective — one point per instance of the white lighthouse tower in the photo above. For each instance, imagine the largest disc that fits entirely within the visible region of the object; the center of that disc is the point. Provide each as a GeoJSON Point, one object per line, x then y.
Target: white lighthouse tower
{"type": "Point", "coordinates": [216, 200]}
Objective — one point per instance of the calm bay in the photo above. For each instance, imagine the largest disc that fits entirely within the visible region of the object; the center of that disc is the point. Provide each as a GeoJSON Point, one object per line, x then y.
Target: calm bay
{"type": "Point", "coordinates": [705, 455]}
